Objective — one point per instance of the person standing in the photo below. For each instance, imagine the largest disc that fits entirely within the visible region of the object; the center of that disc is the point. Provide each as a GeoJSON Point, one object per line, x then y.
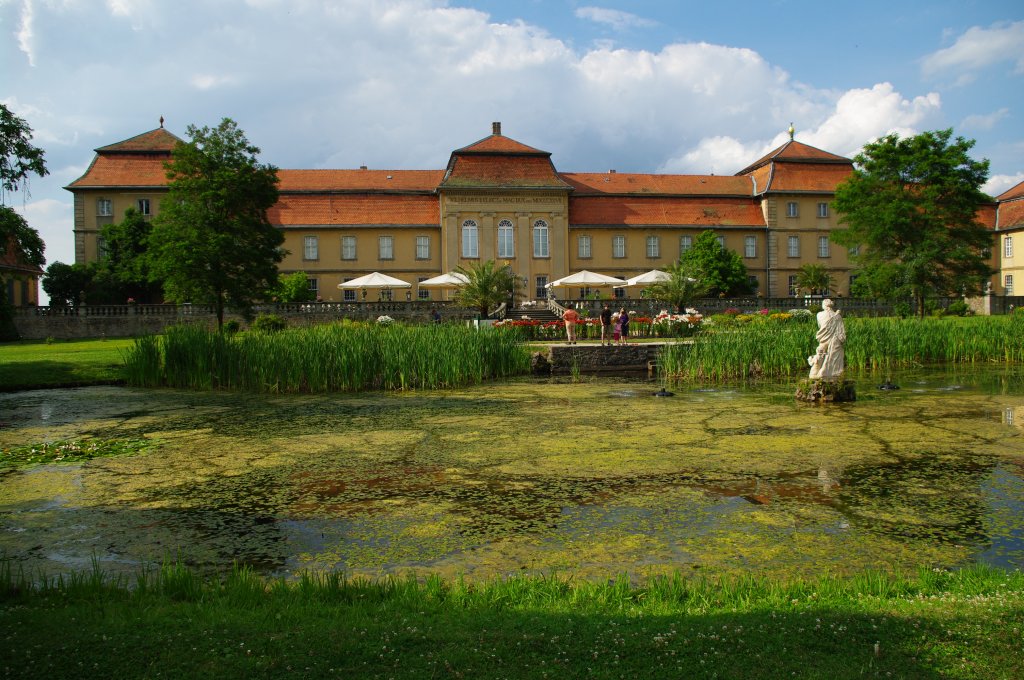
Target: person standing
{"type": "Point", "coordinates": [623, 325]}
{"type": "Point", "coordinates": [571, 317]}
{"type": "Point", "coordinates": [606, 325]}
{"type": "Point", "coordinates": [435, 316]}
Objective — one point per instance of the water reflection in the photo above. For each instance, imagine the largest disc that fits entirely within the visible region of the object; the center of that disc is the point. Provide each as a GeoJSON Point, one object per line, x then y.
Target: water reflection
{"type": "Point", "coordinates": [593, 477]}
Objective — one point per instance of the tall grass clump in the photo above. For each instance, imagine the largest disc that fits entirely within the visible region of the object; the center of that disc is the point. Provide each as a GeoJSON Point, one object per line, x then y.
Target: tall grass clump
{"type": "Point", "coordinates": [769, 349]}
{"type": "Point", "coordinates": [343, 357]}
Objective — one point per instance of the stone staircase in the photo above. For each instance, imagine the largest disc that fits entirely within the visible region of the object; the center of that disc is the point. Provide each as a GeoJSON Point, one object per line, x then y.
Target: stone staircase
{"type": "Point", "coordinates": [535, 313]}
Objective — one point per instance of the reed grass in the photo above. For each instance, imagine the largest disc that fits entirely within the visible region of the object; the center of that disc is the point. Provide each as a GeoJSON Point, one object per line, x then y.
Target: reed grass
{"type": "Point", "coordinates": [342, 357]}
{"type": "Point", "coordinates": [780, 349]}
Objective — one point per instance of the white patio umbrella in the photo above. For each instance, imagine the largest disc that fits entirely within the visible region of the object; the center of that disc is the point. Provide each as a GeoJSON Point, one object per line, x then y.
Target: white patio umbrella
{"type": "Point", "coordinates": [646, 279]}
{"type": "Point", "coordinates": [449, 281]}
{"type": "Point", "coordinates": [375, 280]}
{"type": "Point", "coordinates": [585, 278]}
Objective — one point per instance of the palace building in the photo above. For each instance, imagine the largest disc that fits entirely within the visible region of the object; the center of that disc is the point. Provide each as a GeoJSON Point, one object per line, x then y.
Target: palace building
{"type": "Point", "coordinates": [499, 199]}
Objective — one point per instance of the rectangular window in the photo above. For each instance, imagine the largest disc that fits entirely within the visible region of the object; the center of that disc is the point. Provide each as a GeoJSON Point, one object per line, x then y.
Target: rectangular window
{"type": "Point", "coordinates": [470, 240]}
{"type": "Point", "coordinates": [348, 247]}
{"type": "Point", "coordinates": [653, 246]}
{"type": "Point", "coordinates": [721, 240]}
{"type": "Point", "coordinates": [385, 248]}
{"type": "Point", "coordinates": [753, 282]}
{"type": "Point", "coordinates": [685, 243]}
{"type": "Point", "coordinates": [1008, 284]}
{"type": "Point", "coordinates": [792, 209]}
{"type": "Point", "coordinates": [823, 247]}
{"type": "Point", "coordinates": [385, 295]}
{"type": "Point", "coordinates": [793, 246]}
{"type": "Point", "coordinates": [506, 242]}
{"type": "Point", "coordinates": [750, 246]}
{"type": "Point", "coordinates": [618, 246]}
{"type": "Point", "coordinates": [1008, 246]}
{"type": "Point", "coordinates": [540, 239]}
{"type": "Point", "coordinates": [422, 247]}
{"type": "Point", "coordinates": [541, 291]}
{"type": "Point", "coordinates": [619, 293]}
{"type": "Point", "coordinates": [855, 251]}
{"type": "Point", "coordinates": [104, 207]}
{"type": "Point", "coordinates": [791, 286]}
{"type": "Point", "coordinates": [143, 204]}
{"type": "Point", "coordinates": [310, 248]}
{"type": "Point", "coordinates": [583, 247]}
{"type": "Point", "coordinates": [314, 287]}
{"type": "Point", "coordinates": [348, 294]}
{"type": "Point", "coordinates": [422, 293]}
{"type": "Point", "coordinates": [101, 247]}
{"type": "Point", "coordinates": [823, 210]}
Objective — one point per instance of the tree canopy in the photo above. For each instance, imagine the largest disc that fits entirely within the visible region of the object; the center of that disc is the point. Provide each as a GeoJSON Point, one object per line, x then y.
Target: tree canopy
{"type": "Point", "coordinates": [18, 157]}
{"type": "Point", "coordinates": [489, 285]}
{"type": "Point", "coordinates": [212, 242]}
{"type": "Point", "coordinates": [125, 260]}
{"type": "Point", "coordinates": [721, 271]}
{"type": "Point", "coordinates": [911, 206]}
{"type": "Point", "coordinates": [684, 286]}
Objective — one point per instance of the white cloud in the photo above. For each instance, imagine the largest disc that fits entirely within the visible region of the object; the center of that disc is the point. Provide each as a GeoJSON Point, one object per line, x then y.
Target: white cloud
{"type": "Point", "coordinates": [856, 117]}
{"type": "Point", "coordinates": [977, 48]}
{"type": "Point", "coordinates": [52, 219]}
{"type": "Point", "coordinates": [998, 184]}
{"type": "Point", "coordinates": [617, 19]}
{"type": "Point", "coordinates": [863, 115]}
{"type": "Point", "coordinates": [26, 31]}
{"type": "Point", "coordinates": [206, 81]}
{"type": "Point", "coordinates": [981, 121]}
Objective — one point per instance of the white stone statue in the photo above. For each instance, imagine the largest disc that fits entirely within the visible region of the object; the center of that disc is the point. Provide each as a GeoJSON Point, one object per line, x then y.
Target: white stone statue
{"type": "Point", "coordinates": [828, 362]}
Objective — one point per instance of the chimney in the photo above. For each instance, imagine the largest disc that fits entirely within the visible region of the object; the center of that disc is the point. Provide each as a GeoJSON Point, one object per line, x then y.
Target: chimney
{"type": "Point", "coordinates": [362, 167]}
{"type": "Point", "coordinates": [496, 128]}
{"type": "Point", "coordinates": [612, 171]}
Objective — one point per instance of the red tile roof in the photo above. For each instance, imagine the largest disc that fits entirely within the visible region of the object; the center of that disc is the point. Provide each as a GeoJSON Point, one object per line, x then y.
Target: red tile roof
{"type": "Point", "coordinates": [1011, 215]}
{"type": "Point", "coordinates": [499, 144]}
{"type": "Point", "coordinates": [786, 177]}
{"type": "Point", "coordinates": [355, 209]}
{"type": "Point", "coordinates": [1012, 193]}
{"type": "Point", "coordinates": [495, 171]}
{"type": "Point", "coordinates": [796, 152]}
{"type": "Point", "coordinates": [154, 140]}
{"type": "Point", "coordinates": [607, 183]}
{"type": "Point", "coordinates": [662, 211]}
{"type": "Point", "coordinates": [498, 162]}
{"type": "Point", "coordinates": [359, 180]}
{"type": "Point", "coordinates": [123, 170]}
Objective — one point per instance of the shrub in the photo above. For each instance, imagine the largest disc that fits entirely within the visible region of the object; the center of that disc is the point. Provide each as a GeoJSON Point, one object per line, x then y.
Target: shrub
{"type": "Point", "coordinates": [232, 327]}
{"type": "Point", "coordinates": [902, 309]}
{"type": "Point", "coordinates": [269, 323]}
{"type": "Point", "coordinates": [958, 308]}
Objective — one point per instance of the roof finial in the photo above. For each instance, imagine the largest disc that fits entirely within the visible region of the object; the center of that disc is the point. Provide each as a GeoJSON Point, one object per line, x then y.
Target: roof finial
{"type": "Point", "coordinates": [161, 122]}
{"type": "Point", "coordinates": [792, 131]}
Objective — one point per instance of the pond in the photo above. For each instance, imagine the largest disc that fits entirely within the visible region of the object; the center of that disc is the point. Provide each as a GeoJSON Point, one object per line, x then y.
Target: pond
{"type": "Point", "coordinates": [591, 478]}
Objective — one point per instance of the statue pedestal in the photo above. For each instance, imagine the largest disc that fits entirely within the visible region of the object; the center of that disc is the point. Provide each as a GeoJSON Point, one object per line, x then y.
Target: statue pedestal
{"type": "Point", "coordinates": [820, 390]}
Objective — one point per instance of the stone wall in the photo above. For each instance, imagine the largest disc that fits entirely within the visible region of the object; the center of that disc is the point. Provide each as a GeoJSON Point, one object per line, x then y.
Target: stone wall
{"type": "Point", "coordinates": [112, 321]}
{"type": "Point", "coordinates": [598, 359]}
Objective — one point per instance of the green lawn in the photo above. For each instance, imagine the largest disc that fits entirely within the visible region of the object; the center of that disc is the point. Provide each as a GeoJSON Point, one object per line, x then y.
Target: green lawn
{"type": "Point", "coordinates": [936, 625]}
{"type": "Point", "coordinates": [33, 364]}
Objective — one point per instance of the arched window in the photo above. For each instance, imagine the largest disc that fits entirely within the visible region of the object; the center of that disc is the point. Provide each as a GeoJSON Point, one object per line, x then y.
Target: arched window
{"type": "Point", "coordinates": [540, 239]}
{"type": "Point", "coordinates": [470, 239]}
{"type": "Point", "coordinates": [506, 244]}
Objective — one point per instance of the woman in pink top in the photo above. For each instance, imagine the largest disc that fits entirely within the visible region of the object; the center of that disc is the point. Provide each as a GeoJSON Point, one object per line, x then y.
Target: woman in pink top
{"type": "Point", "coordinates": [570, 317]}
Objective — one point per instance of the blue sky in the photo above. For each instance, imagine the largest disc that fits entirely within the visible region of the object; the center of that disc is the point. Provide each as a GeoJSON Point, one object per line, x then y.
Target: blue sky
{"type": "Point", "coordinates": [646, 86]}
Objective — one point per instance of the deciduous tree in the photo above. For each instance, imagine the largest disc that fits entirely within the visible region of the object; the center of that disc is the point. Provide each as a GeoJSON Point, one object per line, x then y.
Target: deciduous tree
{"type": "Point", "coordinates": [212, 242]}
{"type": "Point", "coordinates": [721, 271]}
{"type": "Point", "coordinates": [912, 204]}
